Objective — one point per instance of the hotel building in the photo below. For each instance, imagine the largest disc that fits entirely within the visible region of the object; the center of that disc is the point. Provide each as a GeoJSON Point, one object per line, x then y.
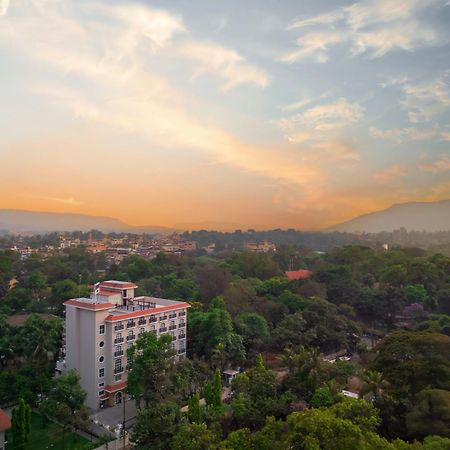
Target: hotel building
{"type": "Point", "coordinates": [101, 328]}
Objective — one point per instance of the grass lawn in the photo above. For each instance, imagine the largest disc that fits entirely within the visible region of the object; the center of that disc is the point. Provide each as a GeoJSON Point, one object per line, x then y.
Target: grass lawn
{"type": "Point", "coordinates": [50, 437]}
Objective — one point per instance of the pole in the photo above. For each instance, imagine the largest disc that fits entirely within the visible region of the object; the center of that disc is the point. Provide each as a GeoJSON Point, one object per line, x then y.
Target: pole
{"type": "Point", "coordinates": [123, 422]}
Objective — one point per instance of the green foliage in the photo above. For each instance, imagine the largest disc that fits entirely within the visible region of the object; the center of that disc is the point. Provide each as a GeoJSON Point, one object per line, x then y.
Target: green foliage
{"type": "Point", "coordinates": [412, 361]}
{"type": "Point", "coordinates": [150, 366]}
{"type": "Point", "coordinates": [322, 397]}
{"type": "Point", "coordinates": [194, 411]}
{"type": "Point", "coordinates": [430, 414]}
{"type": "Point", "coordinates": [213, 391]}
{"type": "Point", "coordinates": [156, 425]}
{"type": "Point", "coordinates": [194, 436]}
{"type": "Point", "coordinates": [254, 330]}
{"type": "Point", "coordinates": [20, 425]}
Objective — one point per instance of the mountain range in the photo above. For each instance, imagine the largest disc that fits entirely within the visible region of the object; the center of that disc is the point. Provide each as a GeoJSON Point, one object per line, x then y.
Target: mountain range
{"type": "Point", "coordinates": [419, 216]}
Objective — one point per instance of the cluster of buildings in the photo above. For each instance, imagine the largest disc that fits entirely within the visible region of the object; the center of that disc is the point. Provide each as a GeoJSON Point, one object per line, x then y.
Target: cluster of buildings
{"type": "Point", "coordinates": [260, 247]}
{"type": "Point", "coordinates": [100, 329]}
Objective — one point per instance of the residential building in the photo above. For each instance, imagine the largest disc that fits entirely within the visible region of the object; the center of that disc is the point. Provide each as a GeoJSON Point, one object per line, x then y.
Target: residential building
{"type": "Point", "coordinates": [100, 329]}
{"type": "Point", "coordinates": [301, 274]}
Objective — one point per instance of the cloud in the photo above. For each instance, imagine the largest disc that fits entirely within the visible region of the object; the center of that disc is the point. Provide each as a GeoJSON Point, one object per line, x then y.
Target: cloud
{"type": "Point", "coordinates": [375, 27]}
{"type": "Point", "coordinates": [321, 118]}
{"type": "Point", "coordinates": [428, 99]}
{"type": "Point", "coordinates": [441, 165]}
{"type": "Point", "coordinates": [399, 135]}
{"type": "Point", "coordinates": [390, 174]}
{"type": "Point", "coordinates": [224, 63]}
{"type": "Point", "coordinates": [66, 201]}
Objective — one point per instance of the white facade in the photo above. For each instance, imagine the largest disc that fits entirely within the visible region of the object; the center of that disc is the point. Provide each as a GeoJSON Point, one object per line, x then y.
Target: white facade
{"type": "Point", "coordinates": [99, 330]}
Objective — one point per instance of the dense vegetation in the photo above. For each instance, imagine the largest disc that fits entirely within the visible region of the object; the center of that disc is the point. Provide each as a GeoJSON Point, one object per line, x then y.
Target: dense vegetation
{"type": "Point", "coordinates": [246, 314]}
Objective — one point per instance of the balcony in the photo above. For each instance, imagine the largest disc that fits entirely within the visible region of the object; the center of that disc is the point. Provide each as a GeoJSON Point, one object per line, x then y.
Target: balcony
{"type": "Point", "coordinates": [162, 330]}
{"type": "Point", "coordinates": [181, 336]}
{"type": "Point", "coordinates": [181, 325]}
{"type": "Point", "coordinates": [174, 338]}
{"type": "Point", "coordinates": [153, 331]}
{"type": "Point", "coordinates": [131, 338]}
{"type": "Point", "coordinates": [119, 353]}
{"type": "Point", "coordinates": [118, 370]}
{"type": "Point", "coordinates": [131, 324]}
{"type": "Point", "coordinates": [118, 327]}
{"type": "Point", "coordinates": [141, 333]}
{"type": "Point", "coordinates": [142, 322]}
{"type": "Point", "coordinates": [172, 327]}
{"type": "Point", "coordinates": [118, 340]}
{"type": "Point", "coordinates": [181, 351]}
{"type": "Point", "coordinates": [152, 319]}
{"type": "Point", "coordinates": [182, 313]}
{"type": "Point", "coordinates": [162, 318]}
{"type": "Point", "coordinates": [172, 316]}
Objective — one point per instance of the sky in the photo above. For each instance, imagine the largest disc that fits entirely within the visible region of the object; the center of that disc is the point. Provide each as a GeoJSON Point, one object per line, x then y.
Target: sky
{"type": "Point", "coordinates": [236, 113]}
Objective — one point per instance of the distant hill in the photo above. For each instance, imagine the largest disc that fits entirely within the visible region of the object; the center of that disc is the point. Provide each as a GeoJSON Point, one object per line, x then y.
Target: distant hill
{"type": "Point", "coordinates": [19, 221]}
{"type": "Point", "coordinates": [418, 216]}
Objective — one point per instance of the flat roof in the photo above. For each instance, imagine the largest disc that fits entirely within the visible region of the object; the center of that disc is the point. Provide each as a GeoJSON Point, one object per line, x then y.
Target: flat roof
{"type": "Point", "coordinates": [89, 303]}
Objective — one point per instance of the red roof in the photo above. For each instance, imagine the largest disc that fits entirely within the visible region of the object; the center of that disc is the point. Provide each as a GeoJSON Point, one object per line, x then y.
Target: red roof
{"type": "Point", "coordinates": [301, 274]}
{"type": "Point", "coordinates": [91, 306]}
{"type": "Point", "coordinates": [116, 387]}
{"type": "Point", "coordinates": [146, 312]}
{"type": "Point", "coordinates": [118, 285]}
{"type": "Point", "coordinates": [107, 293]}
{"type": "Point", "coordinates": [5, 421]}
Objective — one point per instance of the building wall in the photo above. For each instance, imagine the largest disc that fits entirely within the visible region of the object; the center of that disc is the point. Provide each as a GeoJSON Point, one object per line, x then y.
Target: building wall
{"type": "Point", "coordinates": [83, 349]}
{"type": "Point", "coordinates": [2, 440]}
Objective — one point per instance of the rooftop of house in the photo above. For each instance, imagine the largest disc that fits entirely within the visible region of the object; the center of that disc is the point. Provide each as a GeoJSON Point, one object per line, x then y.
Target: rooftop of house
{"type": "Point", "coordinates": [5, 421]}
{"type": "Point", "coordinates": [301, 274]}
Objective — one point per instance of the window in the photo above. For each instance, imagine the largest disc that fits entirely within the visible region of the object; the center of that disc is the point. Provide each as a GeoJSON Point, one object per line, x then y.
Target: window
{"type": "Point", "coordinates": [101, 329]}
{"type": "Point", "coordinates": [100, 393]}
{"type": "Point", "coordinates": [117, 377]}
{"type": "Point", "coordinates": [102, 384]}
{"type": "Point", "coordinates": [101, 372]}
{"type": "Point", "coordinates": [101, 344]}
{"type": "Point", "coordinates": [101, 359]}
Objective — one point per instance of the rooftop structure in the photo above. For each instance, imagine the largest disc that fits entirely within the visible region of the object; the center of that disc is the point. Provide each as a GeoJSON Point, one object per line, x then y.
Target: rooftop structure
{"type": "Point", "coordinates": [100, 329]}
{"type": "Point", "coordinates": [301, 274]}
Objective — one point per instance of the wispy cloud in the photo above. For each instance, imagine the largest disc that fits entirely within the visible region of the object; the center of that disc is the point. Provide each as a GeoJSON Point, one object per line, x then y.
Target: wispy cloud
{"type": "Point", "coordinates": [224, 63]}
{"type": "Point", "coordinates": [390, 175]}
{"type": "Point", "coordinates": [375, 27]}
{"type": "Point", "coordinates": [441, 165]}
{"type": "Point", "coordinates": [70, 201]}
{"type": "Point", "coordinates": [320, 119]}
{"type": "Point", "coordinates": [399, 135]}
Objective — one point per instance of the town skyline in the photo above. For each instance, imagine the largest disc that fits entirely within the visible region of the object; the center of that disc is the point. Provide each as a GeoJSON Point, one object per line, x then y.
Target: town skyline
{"type": "Point", "coordinates": [280, 115]}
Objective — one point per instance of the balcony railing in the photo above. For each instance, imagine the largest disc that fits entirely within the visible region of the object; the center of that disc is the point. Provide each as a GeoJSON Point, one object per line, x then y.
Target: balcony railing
{"type": "Point", "coordinates": [181, 351]}
{"type": "Point", "coordinates": [118, 370]}
{"type": "Point", "coordinates": [153, 331]}
{"type": "Point", "coordinates": [142, 322]}
{"type": "Point", "coordinates": [152, 319]}
{"type": "Point", "coordinates": [174, 338]}
{"type": "Point", "coordinates": [162, 330]}
{"type": "Point", "coordinates": [172, 316]}
{"type": "Point", "coordinates": [141, 333]}
{"type": "Point", "coordinates": [131, 337]}
{"type": "Point", "coordinates": [118, 340]}
{"type": "Point", "coordinates": [119, 353]}
{"type": "Point", "coordinates": [131, 324]}
{"type": "Point", "coordinates": [182, 313]}
{"type": "Point", "coordinates": [118, 327]}
{"type": "Point", "coordinates": [181, 325]}
{"type": "Point", "coordinates": [172, 327]}
{"type": "Point", "coordinates": [181, 336]}
{"type": "Point", "coordinates": [162, 318]}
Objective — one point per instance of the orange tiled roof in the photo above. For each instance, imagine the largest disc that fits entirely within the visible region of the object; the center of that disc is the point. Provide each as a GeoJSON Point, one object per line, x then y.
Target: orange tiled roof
{"type": "Point", "coordinates": [117, 285]}
{"type": "Point", "coordinates": [146, 312]}
{"type": "Point", "coordinates": [116, 387]}
{"type": "Point", "coordinates": [92, 306]}
{"type": "Point", "coordinates": [301, 274]}
{"type": "Point", "coordinates": [5, 421]}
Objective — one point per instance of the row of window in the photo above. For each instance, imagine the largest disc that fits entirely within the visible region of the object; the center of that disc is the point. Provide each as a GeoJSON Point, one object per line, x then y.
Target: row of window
{"type": "Point", "coordinates": [143, 320]}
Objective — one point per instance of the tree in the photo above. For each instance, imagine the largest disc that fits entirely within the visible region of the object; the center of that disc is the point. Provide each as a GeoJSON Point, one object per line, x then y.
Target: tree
{"type": "Point", "coordinates": [194, 436]}
{"type": "Point", "coordinates": [213, 391]}
{"type": "Point", "coordinates": [430, 414]}
{"type": "Point", "coordinates": [20, 425]}
{"type": "Point", "coordinates": [194, 411]}
{"type": "Point", "coordinates": [65, 402]}
{"type": "Point", "coordinates": [254, 330]}
{"type": "Point", "coordinates": [373, 384]}
{"type": "Point", "coordinates": [416, 293]}
{"type": "Point", "coordinates": [322, 397]}
{"type": "Point", "coordinates": [150, 365]}
{"type": "Point", "coordinates": [156, 425]}
{"type": "Point", "coordinates": [412, 361]}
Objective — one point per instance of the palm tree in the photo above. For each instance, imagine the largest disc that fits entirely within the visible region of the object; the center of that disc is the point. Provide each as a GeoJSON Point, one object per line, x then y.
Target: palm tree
{"type": "Point", "coordinates": [373, 385]}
